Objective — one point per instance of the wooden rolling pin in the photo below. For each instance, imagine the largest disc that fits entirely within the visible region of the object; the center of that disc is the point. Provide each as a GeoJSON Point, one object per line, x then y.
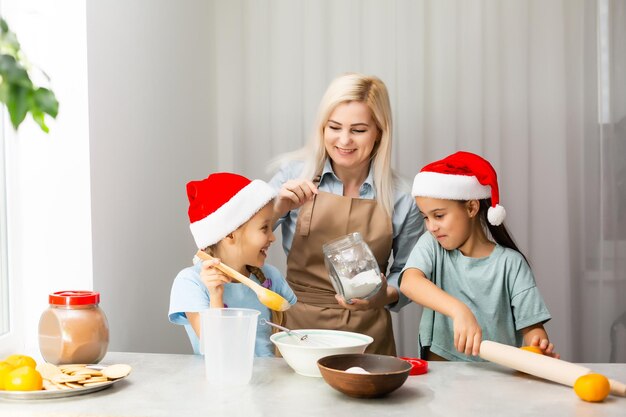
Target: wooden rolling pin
{"type": "Point", "coordinates": [267, 297]}
{"type": "Point", "coordinates": [546, 367]}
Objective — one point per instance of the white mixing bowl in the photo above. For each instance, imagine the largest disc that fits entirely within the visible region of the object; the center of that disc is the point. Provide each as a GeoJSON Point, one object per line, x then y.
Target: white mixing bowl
{"type": "Point", "coordinates": [302, 355]}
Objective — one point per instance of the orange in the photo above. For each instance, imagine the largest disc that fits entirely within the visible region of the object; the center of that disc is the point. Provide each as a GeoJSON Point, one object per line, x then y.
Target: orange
{"type": "Point", "coordinates": [592, 387]}
{"type": "Point", "coordinates": [5, 368]}
{"type": "Point", "coordinates": [24, 378]}
{"type": "Point", "coordinates": [533, 349]}
{"type": "Point", "coordinates": [21, 360]}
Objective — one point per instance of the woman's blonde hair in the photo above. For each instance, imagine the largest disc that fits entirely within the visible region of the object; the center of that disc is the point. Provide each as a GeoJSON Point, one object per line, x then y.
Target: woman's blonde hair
{"type": "Point", "coordinates": [345, 88]}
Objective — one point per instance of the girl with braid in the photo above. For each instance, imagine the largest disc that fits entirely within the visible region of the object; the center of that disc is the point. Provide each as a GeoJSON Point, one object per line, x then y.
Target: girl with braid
{"type": "Point", "coordinates": [231, 220]}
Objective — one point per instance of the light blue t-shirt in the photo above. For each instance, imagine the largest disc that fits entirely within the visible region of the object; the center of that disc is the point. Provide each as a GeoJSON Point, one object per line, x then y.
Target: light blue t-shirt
{"type": "Point", "coordinates": [406, 221]}
{"type": "Point", "coordinates": [190, 294]}
{"type": "Point", "coordinates": [500, 290]}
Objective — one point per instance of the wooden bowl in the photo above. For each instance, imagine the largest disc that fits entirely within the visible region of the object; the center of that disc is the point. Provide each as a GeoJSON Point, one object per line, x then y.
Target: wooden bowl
{"type": "Point", "coordinates": [386, 374]}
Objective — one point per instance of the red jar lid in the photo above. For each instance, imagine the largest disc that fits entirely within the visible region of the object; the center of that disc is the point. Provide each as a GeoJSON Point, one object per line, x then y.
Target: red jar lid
{"type": "Point", "coordinates": [418, 366]}
{"type": "Point", "coordinates": [74, 298]}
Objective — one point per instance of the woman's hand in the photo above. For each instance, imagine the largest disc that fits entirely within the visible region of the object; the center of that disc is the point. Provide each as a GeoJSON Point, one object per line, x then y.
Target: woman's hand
{"type": "Point", "coordinates": [293, 194]}
{"type": "Point", "coordinates": [385, 295]}
{"type": "Point", "coordinates": [214, 280]}
{"type": "Point", "coordinates": [467, 331]}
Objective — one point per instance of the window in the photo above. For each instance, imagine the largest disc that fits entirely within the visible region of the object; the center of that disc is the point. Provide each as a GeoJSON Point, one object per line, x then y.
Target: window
{"type": "Point", "coordinates": [53, 36]}
{"type": "Point", "coordinates": [4, 277]}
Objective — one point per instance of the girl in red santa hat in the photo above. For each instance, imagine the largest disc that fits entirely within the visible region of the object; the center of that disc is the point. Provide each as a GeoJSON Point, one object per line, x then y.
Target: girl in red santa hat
{"type": "Point", "coordinates": [231, 220]}
{"type": "Point", "coordinates": [469, 275]}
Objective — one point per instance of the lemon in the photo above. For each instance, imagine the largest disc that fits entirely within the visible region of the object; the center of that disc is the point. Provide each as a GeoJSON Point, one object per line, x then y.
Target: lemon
{"type": "Point", "coordinates": [592, 387]}
{"type": "Point", "coordinates": [5, 368]}
{"type": "Point", "coordinates": [21, 360]}
{"type": "Point", "coordinates": [24, 378]}
{"type": "Point", "coordinates": [533, 349]}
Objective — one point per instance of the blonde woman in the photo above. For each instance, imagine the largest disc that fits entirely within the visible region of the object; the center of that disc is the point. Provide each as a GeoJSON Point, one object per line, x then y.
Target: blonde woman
{"type": "Point", "coordinates": [342, 182]}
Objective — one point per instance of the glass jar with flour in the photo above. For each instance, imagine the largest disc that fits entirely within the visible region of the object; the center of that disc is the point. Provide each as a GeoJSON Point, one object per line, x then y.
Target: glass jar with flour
{"type": "Point", "coordinates": [352, 267]}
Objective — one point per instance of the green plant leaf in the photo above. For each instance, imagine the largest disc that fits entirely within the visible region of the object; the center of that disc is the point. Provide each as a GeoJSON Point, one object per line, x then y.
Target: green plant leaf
{"type": "Point", "coordinates": [18, 105]}
{"type": "Point", "coordinates": [17, 90]}
{"type": "Point", "coordinates": [4, 91]}
{"type": "Point", "coordinates": [38, 117]}
{"type": "Point", "coordinates": [12, 72]}
{"type": "Point", "coordinates": [8, 40]}
{"type": "Point", "coordinates": [46, 101]}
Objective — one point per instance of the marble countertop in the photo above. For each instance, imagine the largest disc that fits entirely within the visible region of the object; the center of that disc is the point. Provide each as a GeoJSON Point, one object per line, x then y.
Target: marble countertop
{"type": "Point", "coordinates": [174, 385]}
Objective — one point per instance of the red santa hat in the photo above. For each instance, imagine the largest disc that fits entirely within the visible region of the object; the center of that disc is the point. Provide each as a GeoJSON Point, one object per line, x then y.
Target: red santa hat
{"type": "Point", "coordinates": [461, 176]}
{"type": "Point", "coordinates": [222, 202]}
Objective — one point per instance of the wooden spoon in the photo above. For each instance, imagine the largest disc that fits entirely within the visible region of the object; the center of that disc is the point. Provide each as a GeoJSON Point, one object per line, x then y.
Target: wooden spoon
{"type": "Point", "coordinates": [267, 297]}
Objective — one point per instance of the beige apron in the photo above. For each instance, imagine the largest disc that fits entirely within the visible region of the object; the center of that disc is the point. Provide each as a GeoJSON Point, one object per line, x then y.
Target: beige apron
{"type": "Point", "coordinates": [327, 217]}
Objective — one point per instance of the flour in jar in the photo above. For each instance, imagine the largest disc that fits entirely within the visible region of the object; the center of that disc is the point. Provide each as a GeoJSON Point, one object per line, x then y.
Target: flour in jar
{"type": "Point", "coordinates": [361, 285]}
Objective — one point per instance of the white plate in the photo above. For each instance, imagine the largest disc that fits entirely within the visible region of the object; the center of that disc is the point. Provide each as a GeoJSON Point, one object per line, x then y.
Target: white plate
{"type": "Point", "coordinates": [44, 394]}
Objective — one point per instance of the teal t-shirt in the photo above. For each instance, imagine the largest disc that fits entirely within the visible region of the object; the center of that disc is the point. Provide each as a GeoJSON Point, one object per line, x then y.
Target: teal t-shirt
{"type": "Point", "coordinates": [500, 290]}
{"type": "Point", "coordinates": [190, 294]}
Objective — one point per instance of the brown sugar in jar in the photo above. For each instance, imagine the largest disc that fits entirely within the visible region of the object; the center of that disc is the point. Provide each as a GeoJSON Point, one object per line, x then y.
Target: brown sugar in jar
{"type": "Point", "coordinates": [73, 329]}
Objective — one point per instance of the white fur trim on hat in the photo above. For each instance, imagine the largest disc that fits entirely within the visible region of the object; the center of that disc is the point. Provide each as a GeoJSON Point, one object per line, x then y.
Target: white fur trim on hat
{"type": "Point", "coordinates": [449, 186]}
{"type": "Point", "coordinates": [232, 214]}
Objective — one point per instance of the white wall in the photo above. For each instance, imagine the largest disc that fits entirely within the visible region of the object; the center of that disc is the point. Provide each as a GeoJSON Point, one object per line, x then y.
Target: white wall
{"type": "Point", "coordinates": [150, 113]}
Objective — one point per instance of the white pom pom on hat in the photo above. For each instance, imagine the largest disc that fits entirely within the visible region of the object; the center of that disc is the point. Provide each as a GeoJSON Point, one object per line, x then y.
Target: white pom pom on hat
{"type": "Point", "coordinates": [496, 215]}
{"type": "Point", "coordinates": [461, 176]}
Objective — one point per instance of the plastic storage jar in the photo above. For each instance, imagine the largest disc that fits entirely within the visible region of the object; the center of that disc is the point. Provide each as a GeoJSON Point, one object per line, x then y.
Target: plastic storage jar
{"type": "Point", "coordinates": [73, 329]}
{"type": "Point", "coordinates": [352, 267]}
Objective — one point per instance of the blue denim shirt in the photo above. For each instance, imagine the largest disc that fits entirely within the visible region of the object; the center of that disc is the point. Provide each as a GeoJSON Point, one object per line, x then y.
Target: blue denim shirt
{"type": "Point", "coordinates": [407, 224]}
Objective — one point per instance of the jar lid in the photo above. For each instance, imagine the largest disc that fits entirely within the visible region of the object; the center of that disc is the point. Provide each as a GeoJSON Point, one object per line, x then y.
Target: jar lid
{"type": "Point", "coordinates": [74, 298]}
{"type": "Point", "coordinates": [418, 366]}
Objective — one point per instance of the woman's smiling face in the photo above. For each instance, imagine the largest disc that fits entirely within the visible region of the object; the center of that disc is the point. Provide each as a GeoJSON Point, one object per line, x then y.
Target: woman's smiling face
{"type": "Point", "coordinates": [350, 135]}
